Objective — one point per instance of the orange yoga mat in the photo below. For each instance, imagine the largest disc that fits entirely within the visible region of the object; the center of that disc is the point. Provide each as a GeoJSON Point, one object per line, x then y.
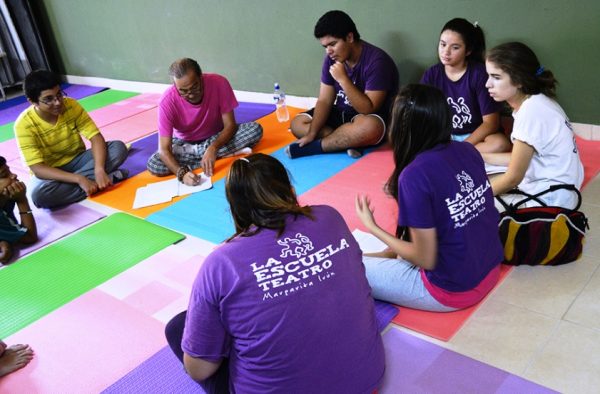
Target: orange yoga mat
{"type": "Point", "coordinates": [439, 325]}
{"type": "Point", "coordinates": [121, 196]}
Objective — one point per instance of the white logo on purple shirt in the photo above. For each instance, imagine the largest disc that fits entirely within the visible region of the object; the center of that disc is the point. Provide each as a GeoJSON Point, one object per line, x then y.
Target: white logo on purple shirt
{"type": "Point", "coordinates": [462, 113]}
{"type": "Point", "coordinates": [342, 95]}
{"type": "Point", "coordinates": [297, 247]}
{"type": "Point", "coordinates": [469, 203]}
{"type": "Point", "coordinates": [297, 267]}
{"type": "Point", "coordinates": [466, 182]}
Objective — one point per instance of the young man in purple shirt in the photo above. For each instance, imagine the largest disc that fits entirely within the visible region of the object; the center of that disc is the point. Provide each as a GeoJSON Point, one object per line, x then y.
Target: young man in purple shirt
{"type": "Point", "coordinates": [358, 84]}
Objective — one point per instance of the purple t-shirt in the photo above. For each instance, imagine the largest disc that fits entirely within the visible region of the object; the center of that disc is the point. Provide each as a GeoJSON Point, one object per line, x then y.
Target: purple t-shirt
{"type": "Point", "coordinates": [293, 313]}
{"type": "Point", "coordinates": [375, 70]}
{"type": "Point", "coordinates": [196, 122]}
{"type": "Point", "coordinates": [446, 188]}
{"type": "Point", "coordinates": [468, 98]}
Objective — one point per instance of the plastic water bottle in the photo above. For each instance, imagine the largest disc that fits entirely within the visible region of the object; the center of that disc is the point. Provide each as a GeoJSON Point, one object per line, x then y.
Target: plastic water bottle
{"type": "Point", "coordinates": [281, 109]}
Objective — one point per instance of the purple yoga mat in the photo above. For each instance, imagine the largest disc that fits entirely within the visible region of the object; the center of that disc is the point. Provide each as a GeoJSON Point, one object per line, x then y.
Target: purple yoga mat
{"type": "Point", "coordinates": [414, 365]}
{"type": "Point", "coordinates": [55, 224]}
{"type": "Point", "coordinates": [139, 153]}
{"type": "Point", "coordinates": [161, 373]}
{"type": "Point", "coordinates": [384, 313]}
{"type": "Point", "coordinates": [248, 112]}
{"type": "Point", "coordinates": [11, 109]}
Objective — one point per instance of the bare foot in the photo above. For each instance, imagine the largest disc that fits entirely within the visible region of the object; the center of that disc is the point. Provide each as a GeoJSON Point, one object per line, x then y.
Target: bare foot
{"type": "Point", "coordinates": [15, 357]}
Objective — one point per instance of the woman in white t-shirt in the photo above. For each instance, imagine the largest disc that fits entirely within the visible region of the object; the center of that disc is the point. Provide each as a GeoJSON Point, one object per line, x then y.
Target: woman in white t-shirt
{"type": "Point", "coordinates": [544, 148]}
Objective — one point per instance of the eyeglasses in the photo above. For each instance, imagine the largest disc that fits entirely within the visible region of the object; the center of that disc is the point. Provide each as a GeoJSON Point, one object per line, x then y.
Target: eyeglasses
{"type": "Point", "coordinates": [195, 88]}
{"type": "Point", "coordinates": [49, 100]}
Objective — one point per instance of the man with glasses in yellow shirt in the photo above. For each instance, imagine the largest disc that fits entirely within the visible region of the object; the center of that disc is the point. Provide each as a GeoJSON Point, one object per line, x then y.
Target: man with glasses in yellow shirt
{"type": "Point", "coordinates": [196, 124]}
{"type": "Point", "coordinates": [49, 135]}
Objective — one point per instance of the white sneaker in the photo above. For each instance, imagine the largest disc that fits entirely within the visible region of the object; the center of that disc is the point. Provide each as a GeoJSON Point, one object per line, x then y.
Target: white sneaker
{"type": "Point", "coordinates": [243, 151]}
{"type": "Point", "coordinates": [353, 153]}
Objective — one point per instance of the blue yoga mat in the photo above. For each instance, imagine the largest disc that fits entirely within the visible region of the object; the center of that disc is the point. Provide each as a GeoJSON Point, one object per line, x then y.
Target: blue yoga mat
{"type": "Point", "coordinates": [206, 214]}
{"type": "Point", "coordinates": [10, 109]}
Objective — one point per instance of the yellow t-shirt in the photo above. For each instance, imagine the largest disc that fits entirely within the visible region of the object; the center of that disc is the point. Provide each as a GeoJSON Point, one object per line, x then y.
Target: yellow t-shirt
{"type": "Point", "coordinates": [54, 145]}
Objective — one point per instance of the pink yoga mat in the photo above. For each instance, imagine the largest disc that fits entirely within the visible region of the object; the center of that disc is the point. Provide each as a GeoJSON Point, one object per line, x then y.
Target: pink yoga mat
{"type": "Point", "coordinates": [9, 149]}
{"type": "Point", "coordinates": [589, 151]}
{"type": "Point", "coordinates": [367, 176]}
{"type": "Point", "coordinates": [132, 128]}
{"type": "Point", "coordinates": [52, 225]}
{"type": "Point", "coordinates": [17, 167]}
{"type": "Point", "coordinates": [124, 109]}
{"type": "Point", "coordinates": [84, 346]}
{"type": "Point", "coordinates": [442, 326]}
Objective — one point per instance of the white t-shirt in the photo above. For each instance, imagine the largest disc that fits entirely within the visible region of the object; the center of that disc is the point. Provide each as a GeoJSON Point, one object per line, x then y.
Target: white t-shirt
{"type": "Point", "coordinates": [542, 123]}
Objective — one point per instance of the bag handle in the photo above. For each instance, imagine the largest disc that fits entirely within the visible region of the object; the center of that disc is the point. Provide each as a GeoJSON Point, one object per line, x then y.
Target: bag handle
{"type": "Point", "coordinates": [535, 197]}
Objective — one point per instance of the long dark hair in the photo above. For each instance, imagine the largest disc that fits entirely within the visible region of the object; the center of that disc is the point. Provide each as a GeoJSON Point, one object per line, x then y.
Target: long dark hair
{"type": "Point", "coordinates": [260, 194]}
{"type": "Point", "coordinates": [523, 67]}
{"type": "Point", "coordinates": [471, 34]}
{"type": "Point", "coordinates": [420, 120]}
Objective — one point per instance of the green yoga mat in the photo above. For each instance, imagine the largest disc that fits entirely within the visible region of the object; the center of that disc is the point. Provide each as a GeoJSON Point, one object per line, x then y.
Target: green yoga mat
{"type": "Point", "coordinates": [51, 277]}
{"type": "Point", "coordinates": [7, 131]}
{"type": "Point", "coordinates": [104, 98]}
{"type": "Point", "coordinates": [90, 103]}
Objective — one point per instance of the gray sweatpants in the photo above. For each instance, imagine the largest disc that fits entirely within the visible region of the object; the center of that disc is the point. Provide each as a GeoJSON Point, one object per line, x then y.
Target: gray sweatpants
{"type": "Point", "coordinates": [49, 193]}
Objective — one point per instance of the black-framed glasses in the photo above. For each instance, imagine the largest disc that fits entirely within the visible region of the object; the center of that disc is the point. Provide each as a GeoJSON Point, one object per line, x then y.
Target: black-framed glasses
{"type": "Point", "coordinates": [51, 99]}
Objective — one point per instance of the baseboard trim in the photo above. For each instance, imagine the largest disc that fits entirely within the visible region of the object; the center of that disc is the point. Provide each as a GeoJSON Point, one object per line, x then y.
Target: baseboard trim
{"type": "Point", "coordinates": [583, 130]}
{"type": "Point", "coordinates": [150, 87]}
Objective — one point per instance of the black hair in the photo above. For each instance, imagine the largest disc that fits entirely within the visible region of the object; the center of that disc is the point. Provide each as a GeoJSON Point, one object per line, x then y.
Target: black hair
{"type": "Point", "coordinates": [420, 120]}
{"type": "Point", "coordinates": [524, 69]}
{"type": "Point", "coordinates": [336, 24]}
{"type": "Point", "coordinates": [2, 161]}
{"type": "Point", "coordinates": [180, 67]}
{"type": "Point", "coordinates": [472, 36]}
{"type": "Point", "coordinates": [38, 81]}
{"type": "Point", "coordinates": [260, 194]}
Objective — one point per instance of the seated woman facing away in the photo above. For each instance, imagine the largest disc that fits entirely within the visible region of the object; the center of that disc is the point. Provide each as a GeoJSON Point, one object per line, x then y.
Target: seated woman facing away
{"type": "Point", "coordinates": [544, 148]}
{"type": "Point", "coordinates": [452, 258]}
{"type": "Point", "coordinates": [283, 306]}
{"type": "Point", "coordinates": [461, 76]}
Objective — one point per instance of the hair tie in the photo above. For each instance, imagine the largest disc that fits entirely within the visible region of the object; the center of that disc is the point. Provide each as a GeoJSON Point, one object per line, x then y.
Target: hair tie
{"type": "Point", "coordinates": [246, 160]}
{"type": "Point", "coordinates": [539, 71]}
{"type": "Point", "coordinates": [476, 24]}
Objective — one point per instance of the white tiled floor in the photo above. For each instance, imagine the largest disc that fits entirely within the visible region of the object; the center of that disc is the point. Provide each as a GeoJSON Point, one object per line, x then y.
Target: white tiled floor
{"type": "Point", "coordinates": [543, 323]}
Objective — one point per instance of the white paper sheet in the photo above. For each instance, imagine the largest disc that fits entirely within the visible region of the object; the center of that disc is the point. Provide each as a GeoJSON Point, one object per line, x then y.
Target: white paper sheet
{"type": "Point", "coordinates": [368, 242]}
{"type": "Point", "coordinates": [161, 192]}
{"type": "Point", "coordinates": [493, 169]}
